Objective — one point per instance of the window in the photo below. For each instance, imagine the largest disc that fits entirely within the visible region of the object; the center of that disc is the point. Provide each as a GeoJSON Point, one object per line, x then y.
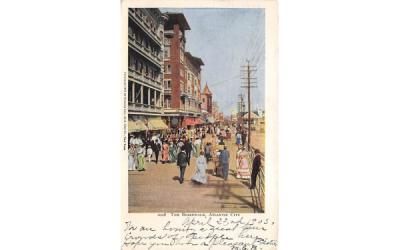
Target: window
{"type": "Point", "coordinates": [138, 93]}
{"type": "Point", "coordinates": [167, 102]}
{"type": "Point", "coordinates": [140, 69]}
{"type": "Point", "coordinates": [167, 68]}
{"type": "Point", "coordinates": [166, 52]}
{"type": "Point", "coordinates": [167, 84]}
{"type": "Point", "coordinates": [130, 86]}
{"type": "Point", "coordinates": [146, 95]}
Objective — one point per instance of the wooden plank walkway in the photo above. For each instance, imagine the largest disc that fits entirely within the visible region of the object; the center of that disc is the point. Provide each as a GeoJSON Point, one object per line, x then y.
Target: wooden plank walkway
{"type": "Point", "coordinates": [158, 190]}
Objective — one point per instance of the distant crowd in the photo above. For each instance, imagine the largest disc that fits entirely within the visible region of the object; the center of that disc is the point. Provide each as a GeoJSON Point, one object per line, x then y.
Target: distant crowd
{"type": "Point", "coordinates": [180, 145]}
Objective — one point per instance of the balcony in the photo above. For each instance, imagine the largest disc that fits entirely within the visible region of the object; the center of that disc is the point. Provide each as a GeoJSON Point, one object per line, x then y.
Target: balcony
{"type": "Point", "coordinates": [144, 79]}
{"type": "Point", "coordinates": [145, 26]}
{"type": "Point", "coordinates": [167, 91]}
{"type": "Point", "coordinates": [140, 107]}
{"type": "Point", "coordinates": [145, 52]}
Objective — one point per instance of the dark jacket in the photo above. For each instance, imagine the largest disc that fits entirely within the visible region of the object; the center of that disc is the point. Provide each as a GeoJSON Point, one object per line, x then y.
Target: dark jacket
{"type": "Point", "coordinates": [224, 157]}
{"type": "Point", "coordinates": [256, 163]}
{"type": "Point", "coordinates": [182, 159]}
{"type": "Point", "coordinates": [188, 146]}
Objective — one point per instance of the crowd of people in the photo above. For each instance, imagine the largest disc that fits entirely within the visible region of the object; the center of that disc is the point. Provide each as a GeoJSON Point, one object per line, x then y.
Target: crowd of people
{"type": "Point", "coordinates": [179, 145]}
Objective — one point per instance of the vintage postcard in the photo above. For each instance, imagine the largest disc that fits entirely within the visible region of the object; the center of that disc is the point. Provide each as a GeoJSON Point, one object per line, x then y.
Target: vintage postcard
{"type": "Point", "coordinates": [199, 125]}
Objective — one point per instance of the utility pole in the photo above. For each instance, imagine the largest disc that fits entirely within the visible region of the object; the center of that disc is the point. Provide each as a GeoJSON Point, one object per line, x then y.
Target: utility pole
{"type": "Point", "coordinates": [240, 109]}
{"type": "Point", "coordinates": [250, 82]}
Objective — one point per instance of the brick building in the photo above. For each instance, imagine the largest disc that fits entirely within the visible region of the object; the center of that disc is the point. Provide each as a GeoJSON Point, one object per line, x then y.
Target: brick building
{"type": "Point", "coordinates": [182, 75]}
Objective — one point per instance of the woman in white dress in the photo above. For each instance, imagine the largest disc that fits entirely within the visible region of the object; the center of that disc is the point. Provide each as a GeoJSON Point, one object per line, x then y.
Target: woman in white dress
{"type": "Point", "coordinates": [132, 157]}
{"type": "Point", "coordinates": [149, 153]}
{"type": "Point", "coordinates": [200, 174]}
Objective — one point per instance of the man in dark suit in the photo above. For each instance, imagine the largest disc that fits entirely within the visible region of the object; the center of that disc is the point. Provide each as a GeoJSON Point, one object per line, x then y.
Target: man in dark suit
{"type": "Point", "coordinates": [224, 159]}
{"type": "Point", "coordinates": [156, 148]}
{"type": "Point", "coordinates": [255, 169]}
{"type": "Point", "coordinates": [188, 149]}
{"type": "Point", "coordinates": [182, 163]}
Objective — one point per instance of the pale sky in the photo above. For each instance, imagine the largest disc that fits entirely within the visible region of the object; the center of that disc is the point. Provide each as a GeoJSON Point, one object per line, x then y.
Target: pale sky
{"type": "Point", "coordinates": [224, 39]}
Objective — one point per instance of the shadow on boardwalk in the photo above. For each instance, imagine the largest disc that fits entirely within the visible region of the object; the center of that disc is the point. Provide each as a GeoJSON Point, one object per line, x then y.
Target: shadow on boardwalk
{"type": "Point", "coordinates": [158, 190]}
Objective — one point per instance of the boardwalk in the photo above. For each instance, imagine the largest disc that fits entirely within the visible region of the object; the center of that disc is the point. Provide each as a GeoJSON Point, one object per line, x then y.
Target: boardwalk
{"type": "Point", "coordinates": [158, 190]}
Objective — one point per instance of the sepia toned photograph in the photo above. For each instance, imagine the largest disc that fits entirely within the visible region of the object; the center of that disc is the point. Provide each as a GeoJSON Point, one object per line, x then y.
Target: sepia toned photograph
{"type": "Point", "coordinates": [196, 110]}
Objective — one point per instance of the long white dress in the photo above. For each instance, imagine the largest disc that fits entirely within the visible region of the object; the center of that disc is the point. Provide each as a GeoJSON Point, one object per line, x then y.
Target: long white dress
{"type": "Point", "coordinates": [132, 159]}
{"type": "Point", "coordinates": [200, 174]}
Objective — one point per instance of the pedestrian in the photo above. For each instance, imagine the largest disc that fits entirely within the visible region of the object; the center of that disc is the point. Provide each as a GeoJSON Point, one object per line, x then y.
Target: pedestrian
{"type": "Point", "coordinates": [238, 139]}
{"type": "Point", "coordinates": [224, 159]}
{"type": "Point", "coordinates": [140, 158]}
{"type": "Point", "coordinates": [132, 158]}
{"type": "Point", "coordinates": [188, 149]}
{"type": "Point", "coordinates": [201, 166]}
{"type": "Point", "coordinates": [149, 151]}
{"type": "Point", "coordinates": [165, 153]}
{"type": "Point", "coordinates": [207, 150]}
{"type": "Point", "coordinates": [256, 168]}
{"type": "Point", "coordinates": [182, 163]}
{"type": "Point", "coordinates": [156, 149]}
{"type": "Point", "coordinates": [132, 140]}
{"type": "Point", "coordinates": [242, 170]}
{"type": "Point", "coordinates": [197, 146]}
{"type": "Point", "coordinates": [171, 152]}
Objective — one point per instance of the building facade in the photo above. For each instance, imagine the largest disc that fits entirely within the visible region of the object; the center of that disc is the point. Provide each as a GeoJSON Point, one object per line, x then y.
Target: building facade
{"type": "Point", "coordinates": [145, 63]}
{"type": "Point", "coordinates": [182, 74]}
{"type": "Point", "coordinates": [193, 85]}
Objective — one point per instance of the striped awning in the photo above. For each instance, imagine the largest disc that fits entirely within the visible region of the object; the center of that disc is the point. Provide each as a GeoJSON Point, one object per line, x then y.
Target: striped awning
{"type": "Point", "coordinates": [156, 124]}
{"type": "Point", "coordinates": [136, 126]}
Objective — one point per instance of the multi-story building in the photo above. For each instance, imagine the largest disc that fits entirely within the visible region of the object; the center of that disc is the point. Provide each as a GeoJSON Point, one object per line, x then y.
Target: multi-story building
{"type": "Point", "coordinates": [145, 63]}
{"type": "Point", "coordinates": [193, 85]}
{"type": "Point", "coordinates": [182, 74]}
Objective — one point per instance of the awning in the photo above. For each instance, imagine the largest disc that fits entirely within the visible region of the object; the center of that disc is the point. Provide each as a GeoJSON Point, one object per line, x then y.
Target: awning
{"type": "Point", "coordinates": [156, 124]}
{"type": "Point", "coordinates": [189, 121]}
{"type": "Point", "coordinates": [136, 126]}
{"type": "Point", "coordinates": [199, 121]}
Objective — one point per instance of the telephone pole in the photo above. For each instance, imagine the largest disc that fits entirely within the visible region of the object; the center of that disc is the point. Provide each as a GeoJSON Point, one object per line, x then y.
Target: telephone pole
{"type": "Point", "coordinates": [249, 82]}
{"type": "Point", "coordinates": [240, 109]}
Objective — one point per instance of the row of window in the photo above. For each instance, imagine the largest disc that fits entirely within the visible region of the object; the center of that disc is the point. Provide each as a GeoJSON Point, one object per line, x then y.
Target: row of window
{"type": "Point", "coordinates": [168, 85]}
{"type": "Point", "coordinates": [140, 39]}
{"type": "Point", "coordinates": [185, 105]}
{"type": "Point", "coordinates": [143, 68]}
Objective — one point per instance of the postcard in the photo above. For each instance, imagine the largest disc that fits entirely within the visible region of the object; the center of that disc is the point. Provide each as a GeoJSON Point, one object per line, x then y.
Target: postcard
{"type": "Point", "coordinates": [199, 127]}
